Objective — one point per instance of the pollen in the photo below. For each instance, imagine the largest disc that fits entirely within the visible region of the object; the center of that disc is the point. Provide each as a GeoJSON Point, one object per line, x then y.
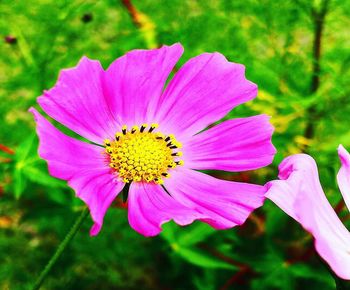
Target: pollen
{"type": "Point", "coordinates": [141, 154]}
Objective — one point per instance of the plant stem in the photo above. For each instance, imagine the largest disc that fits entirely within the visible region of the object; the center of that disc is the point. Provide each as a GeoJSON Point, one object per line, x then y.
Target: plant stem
{"type": "Point", "coordinates": [70, 235]}
{"type": "Point", "coordinates": [319, 18]}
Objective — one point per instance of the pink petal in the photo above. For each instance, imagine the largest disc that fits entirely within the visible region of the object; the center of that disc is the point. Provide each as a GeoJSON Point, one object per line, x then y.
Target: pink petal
{"type": "Point", "coordinates": [300, 195]}
{"type": "Point", "coordinates": [149, 206]}
{"type": "Point", "coordinates": [78, 102]}
{"type": "Point", "coordinates": [234, 145]}
{"type": "Point", "coordinates": [82, 165]}
{"type": "Point", "coordinates": [225, 204]}
{"type": "Point", "coordinates": [343, 176]}
{"type": "Point", "coordinates": [135, 81]}
{"type": "Point", "coordinates": [203, 91]}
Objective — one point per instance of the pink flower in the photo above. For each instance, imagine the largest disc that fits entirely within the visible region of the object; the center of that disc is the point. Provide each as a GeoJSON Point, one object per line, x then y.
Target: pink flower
{"type": "Point", "coordinates": [140, 127]}
{"type": "Point", "coordinates": [300, 195]}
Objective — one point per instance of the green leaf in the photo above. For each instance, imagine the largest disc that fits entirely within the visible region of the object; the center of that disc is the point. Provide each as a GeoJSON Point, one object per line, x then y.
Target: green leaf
{"type": "Point", "coordinates": [182, 240]}
{"type": "Point", "coordinates": [59, 197]}
{"type": "Point", "coordinates": [19, 182]}
{"type": "Point", "coordinates": [186, 236]}
{"type": "Point", "coordinates": [194, 234]}
{"type": "Point", "coordinates": [168, 232]}
{"type": "Point", "coordinates": [305, 271]}
{"type": "Point", "coordinates": [25, 148]}
{"type": "Point", "coordinates": [201, 259]}
{"type": "Point", "coordinates": [23, 156]}
{"type": "Point", "coordinates": [36, 175]}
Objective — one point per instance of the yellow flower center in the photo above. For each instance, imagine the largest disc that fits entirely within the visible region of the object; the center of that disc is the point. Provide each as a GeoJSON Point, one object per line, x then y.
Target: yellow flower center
{"type": "Point", "coordinates": [143, 155]}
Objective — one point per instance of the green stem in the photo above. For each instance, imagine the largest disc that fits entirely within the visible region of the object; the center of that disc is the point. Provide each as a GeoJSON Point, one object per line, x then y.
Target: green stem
{"type": "Point", "coordinates": [70, 235]}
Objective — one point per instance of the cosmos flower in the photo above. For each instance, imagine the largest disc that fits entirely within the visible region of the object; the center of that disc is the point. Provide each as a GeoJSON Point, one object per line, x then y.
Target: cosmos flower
{"type": "Point", "coordinates": [300, 195]}
{"type": "Point", "coordinates": [145, 140]}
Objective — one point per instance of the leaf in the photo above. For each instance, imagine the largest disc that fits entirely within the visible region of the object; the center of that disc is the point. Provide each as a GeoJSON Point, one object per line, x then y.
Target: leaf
{"type": "Point", "coordinates": [305, 271]}
{"type": "Point", "coordinates": [182, 240]}
{"type": "Point", "coordinates": [19, 182]}
{"type": "Point", "coordinates": [168, 232]}
{"type": "Point", "coordinates": [28, 166]}
{"type": "Point", "coordinates": [194, 234]}
{"type": "Point", "coordinates": [186, 236]}
{"type": "Point", "coordinates": [36, 175]}
{"type": "Point", "coordinates": [201, 259]}
{"type": "Point", "coordinates": [59, 197]}
{"type": "Point", "coordinates": [25, 148]}
{"type": "Point", "coordinates": [276, 219]}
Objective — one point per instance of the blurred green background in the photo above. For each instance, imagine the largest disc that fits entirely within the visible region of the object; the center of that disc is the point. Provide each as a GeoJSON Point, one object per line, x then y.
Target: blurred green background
{"type": "Point", "coordinates": [298, 52]}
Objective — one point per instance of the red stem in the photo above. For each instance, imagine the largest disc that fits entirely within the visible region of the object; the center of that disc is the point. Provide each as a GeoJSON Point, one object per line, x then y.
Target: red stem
{"type": "Point", "coordinates": [6, 149]}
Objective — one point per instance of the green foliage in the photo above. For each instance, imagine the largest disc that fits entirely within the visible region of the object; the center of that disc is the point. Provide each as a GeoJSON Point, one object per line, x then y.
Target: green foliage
{"type": "Point", "coordinates": [27, 166]}
{"type": "Point", "coordinates": [274, 39]}
{"type": "Point", "coordinates": [183, 242]}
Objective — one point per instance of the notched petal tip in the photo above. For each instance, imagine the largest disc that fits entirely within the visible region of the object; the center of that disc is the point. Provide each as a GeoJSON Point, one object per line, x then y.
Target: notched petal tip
{"type": "Point", "coordinates": [295, 162]}
{"type": "Point", "coordinates": [83, 63]}
{"type": "Point", "coordinates": [33, 111]}
{"type": "Point", "coordinates": [175, 49]}
{"type": "Point", "coordinates": [177, 45]}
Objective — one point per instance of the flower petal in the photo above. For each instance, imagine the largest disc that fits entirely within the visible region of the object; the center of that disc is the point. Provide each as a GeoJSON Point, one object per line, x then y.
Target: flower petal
{"type": "Point", "coordinates": [203, 91]}
{"type": "Point", "coordinates": [343, 176]}
{"type": "Point", "coordinates": [135, 81]}
{"type": "Point", "coordinates": [234, 145]}
{"type": "Point", "coordinates": [149, 206]}
{"type": "Point", "coordinates": [78, 102]}
{"type": "Point", "coordinates": [300, 195]}
{"type": "Point", "coordinates": [82, 165]}
{"type": "Point", "coordinates": [224, 204]}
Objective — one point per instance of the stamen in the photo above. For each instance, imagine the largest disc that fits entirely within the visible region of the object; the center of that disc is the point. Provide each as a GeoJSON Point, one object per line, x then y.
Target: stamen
{"type": "Point", "coordinates": [137, 178]}
{"type": "Point", "coordinates": [160, 136]}
{"type": "Point", "coordinates": [158, 180]}
{"type": "Point", "coordinates": [117, 136]}
{"type": "Point", "coordinates": [143, 127]}
{"type": "Point", "coordinates": [134, 129]}
{"type": "Point", "coordinates": [138, 155]}
{"type": "Point", "coordinates": [124, 129]}
{"type": "Point", "coordinates": [149, 178]}
{"type": "Point", "coordinates": [153, 126]}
